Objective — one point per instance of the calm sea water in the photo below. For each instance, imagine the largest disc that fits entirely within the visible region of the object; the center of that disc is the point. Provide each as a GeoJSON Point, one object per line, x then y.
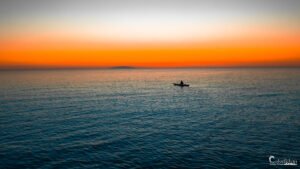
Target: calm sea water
{"type": "Point", "coordinates": [227, 118]}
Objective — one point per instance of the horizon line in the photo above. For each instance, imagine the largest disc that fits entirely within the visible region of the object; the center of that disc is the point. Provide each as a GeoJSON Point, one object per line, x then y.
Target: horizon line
{"type": "Point", "coordinates": [140, 67]}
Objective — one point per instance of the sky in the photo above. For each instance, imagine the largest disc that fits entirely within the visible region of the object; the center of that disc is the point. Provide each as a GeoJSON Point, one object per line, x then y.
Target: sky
{"type": "Point", "coordinates": [149, 33]}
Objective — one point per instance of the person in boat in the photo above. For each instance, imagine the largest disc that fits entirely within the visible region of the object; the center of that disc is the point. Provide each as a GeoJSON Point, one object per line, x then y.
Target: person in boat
{"type": "Point", "coordinates": [181, 83]}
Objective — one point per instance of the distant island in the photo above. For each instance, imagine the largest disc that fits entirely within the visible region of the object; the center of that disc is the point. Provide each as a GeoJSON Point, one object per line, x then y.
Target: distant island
{"type": "Point", "coordinates": [122, 67]}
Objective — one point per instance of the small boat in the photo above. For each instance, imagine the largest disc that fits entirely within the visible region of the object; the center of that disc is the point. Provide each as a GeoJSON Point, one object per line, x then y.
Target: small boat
{"type": "Point", "coordinates": [181, 85]}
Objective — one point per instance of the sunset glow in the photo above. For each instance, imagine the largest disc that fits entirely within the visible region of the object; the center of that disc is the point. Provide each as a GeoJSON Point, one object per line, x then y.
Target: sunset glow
{"type": "Point", "coordinates": [152, 36]}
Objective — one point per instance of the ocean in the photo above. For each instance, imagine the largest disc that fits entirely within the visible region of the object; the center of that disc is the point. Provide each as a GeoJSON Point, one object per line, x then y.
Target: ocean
{"type": "Point", "coordinates": [136, 118]}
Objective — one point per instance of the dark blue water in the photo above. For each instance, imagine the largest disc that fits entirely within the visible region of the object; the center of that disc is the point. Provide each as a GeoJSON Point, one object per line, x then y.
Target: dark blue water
{"type": "Point", "coordinates": [228, 118]}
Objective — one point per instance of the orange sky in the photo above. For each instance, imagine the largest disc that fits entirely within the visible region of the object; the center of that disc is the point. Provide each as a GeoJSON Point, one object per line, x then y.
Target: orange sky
{"type": "Point", "coordinates": [58, 51]}
{"type": "Point", "coordinates": [143, 35]}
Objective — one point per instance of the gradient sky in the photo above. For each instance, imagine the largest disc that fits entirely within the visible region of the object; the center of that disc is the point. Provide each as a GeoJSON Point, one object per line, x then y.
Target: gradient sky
{"type": "Point", "coordinates": [149, 33]}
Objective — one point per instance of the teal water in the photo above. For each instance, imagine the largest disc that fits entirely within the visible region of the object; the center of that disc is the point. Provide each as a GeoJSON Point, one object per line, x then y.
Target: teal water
{"type": "Point", "coordinates": [227, 118]}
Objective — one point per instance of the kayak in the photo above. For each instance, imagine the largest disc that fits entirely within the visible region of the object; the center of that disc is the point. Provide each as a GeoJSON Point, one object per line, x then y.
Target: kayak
{"type": "Point", "coordinates": [181, 85]}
